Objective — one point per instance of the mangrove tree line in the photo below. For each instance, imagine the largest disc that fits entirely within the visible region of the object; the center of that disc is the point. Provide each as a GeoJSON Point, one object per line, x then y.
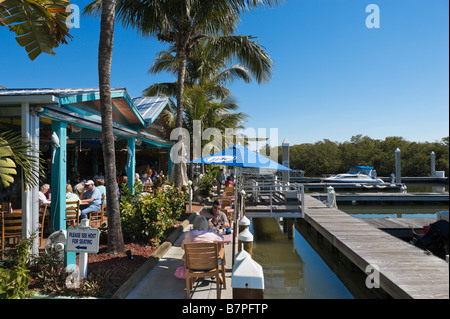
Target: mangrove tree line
{"type": "Point", "coordinates": [328, 157]}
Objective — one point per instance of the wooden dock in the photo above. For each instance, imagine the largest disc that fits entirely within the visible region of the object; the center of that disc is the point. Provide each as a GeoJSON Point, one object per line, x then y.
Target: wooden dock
{"type": "Point", "coordinates": [387, 197]}
{"type": "Point", "coordinates": [400, 227]}
{"type": "Point", "coordinates": [405, 271]}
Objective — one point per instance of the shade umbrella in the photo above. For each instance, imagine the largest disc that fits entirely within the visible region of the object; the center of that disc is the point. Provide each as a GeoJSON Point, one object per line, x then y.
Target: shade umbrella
{"type": "Point", "coordinates": [239, 156]}
{"type": "Point", "coordinates": [183, 160]}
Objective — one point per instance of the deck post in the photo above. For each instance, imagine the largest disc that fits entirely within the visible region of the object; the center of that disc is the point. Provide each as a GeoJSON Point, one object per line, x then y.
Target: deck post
{"type": "Point", "coordinates": [285, 160]}
{"type": "Point", "coordinates": [398, 168]}
{"type": "Point", "coordinates": [30, 199]}
{"type": "Point", "coordinates": [58, 186]}
{"type": "Point", "coordinates": [131, 163]}
{"type": "Point", "coordinates": [433, 164]}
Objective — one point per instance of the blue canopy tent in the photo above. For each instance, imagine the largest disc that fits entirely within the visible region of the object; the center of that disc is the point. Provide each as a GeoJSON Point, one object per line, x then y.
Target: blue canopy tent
{"type": "Point", "coordinates": [239, 156]}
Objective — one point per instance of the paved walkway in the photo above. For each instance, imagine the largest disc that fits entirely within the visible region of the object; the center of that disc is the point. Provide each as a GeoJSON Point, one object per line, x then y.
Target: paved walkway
{"type": "Point", "coordinates": [160, 282]}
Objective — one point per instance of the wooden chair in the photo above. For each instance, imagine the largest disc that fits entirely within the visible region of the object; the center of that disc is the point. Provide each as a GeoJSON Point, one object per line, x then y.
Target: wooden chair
{"type": "Point", "coordinates": [229, 213]}
{"type": "Point", "coordinates": [204, 260]}
{"type": "Point", "coordinates": [44, 222]}
{"type": "Point", "coordinates": [229, 189]}
{"type": "Point", "coordinates": [96, 218]}
{"type": "Point", "coordinates": [225, 201]}
{"type": "Point", "coordinates": [72, 213]}
{"type": "Point", "coordinates": [148, 188]}
{"type": "Point", "coordinates": [228, 194]}
{"type": "Point", "coordinates": [11, 227]}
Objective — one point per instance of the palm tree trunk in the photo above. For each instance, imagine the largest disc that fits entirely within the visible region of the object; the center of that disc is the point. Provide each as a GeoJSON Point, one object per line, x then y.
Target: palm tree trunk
{"type": "Point", "coordinates": [180, 102]}
{"type": "Point", "coordinates": [115, 237]}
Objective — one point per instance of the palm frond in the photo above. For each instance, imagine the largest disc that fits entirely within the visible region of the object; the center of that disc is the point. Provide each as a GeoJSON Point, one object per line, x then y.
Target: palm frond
{"type": "Point", "coordinates": [14, 148]}
{"type": "Point", "coordinates": [246, 51]}
{"type": "Point", "coordinates": [39, 25]}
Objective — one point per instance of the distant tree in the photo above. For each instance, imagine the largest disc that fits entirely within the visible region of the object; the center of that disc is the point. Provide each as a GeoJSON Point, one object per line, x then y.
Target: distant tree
{"type": "Point", "coordinates": [326, 157]}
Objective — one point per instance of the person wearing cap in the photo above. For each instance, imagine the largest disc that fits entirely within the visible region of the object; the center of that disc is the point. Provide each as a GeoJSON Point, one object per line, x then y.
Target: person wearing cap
{"type": "Point", "coordinates": [92, 199]}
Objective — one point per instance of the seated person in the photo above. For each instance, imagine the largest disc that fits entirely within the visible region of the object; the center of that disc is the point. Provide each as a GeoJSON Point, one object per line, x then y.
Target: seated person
{"type": "Point", "coordinates": [71, 197]}
{"type": "Point", "coordinates": [79, 188]}
{"type": "Point", "coordinates": [100, 184]}
{"type": "Point", "coordinates": [92, 200]}
{"type": "Point", "coordinates": [42, 195]}
{"type": "Point", "coordinates": [228, 182]}
{"type": "Point", "coordinates": [201, 232]}
{"type": "Point", "coordinates": [215, 215]}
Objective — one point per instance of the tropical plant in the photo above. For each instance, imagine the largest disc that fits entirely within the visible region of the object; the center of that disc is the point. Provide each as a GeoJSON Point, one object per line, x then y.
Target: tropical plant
{"type": "Point", "coordinates": [204, 67]}
{"type": "Point", "coordinates": [145, 217]}
{"type": "Point", "coordinates": [39, 25]}
{"type": "Point", "coordinates": [14, 279]}
{"type": "Point", "coordinates": [15, 150]}
{"type": "Point", "coordinates": [182, 23]}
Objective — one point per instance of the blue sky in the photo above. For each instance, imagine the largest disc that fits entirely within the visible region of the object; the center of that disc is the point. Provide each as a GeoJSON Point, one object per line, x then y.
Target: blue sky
{"type": "Point", "coordinates": [333, 77]}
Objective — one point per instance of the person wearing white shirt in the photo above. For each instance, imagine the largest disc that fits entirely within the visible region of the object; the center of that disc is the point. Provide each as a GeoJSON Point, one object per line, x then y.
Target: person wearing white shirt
{"type": "Point", "coordinates": [42, 198]}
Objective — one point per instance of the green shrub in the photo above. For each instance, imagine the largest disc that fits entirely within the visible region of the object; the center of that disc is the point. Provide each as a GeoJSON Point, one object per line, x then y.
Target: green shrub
{"type": "Point", "coordinates": [145, 217]}
{"type": "Point", "coordinates": [15, 278]}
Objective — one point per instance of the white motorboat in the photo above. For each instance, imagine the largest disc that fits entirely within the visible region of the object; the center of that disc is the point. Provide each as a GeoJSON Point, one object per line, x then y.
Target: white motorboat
{"type": "Point", "coordinates": [356, 174]}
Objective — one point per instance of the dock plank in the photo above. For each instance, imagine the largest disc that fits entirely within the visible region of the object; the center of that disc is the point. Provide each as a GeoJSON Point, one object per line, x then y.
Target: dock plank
{"type": "Point", "coordinates": [405, 270]}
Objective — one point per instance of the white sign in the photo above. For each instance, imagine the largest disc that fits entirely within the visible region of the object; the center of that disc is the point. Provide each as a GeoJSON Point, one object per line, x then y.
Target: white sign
{"type": "Point", "coordinates": [224, 158]}
{"type": "Point", "coordinates": [82, 240]}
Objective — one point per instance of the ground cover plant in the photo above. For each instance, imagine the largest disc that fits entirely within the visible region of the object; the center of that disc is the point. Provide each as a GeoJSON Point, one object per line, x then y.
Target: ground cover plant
{"type": "Point", "coordinates": [147, 220]}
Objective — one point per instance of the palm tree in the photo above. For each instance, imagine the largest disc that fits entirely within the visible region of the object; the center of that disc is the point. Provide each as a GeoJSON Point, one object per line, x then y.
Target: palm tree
{"type": "Point", "coordinates": [39, 25]}
{"type": "Point", "coordinates": [182, 23]}
{"type": "Point", "coordinates": [204, 66]}
{"type": "Point", "coordinates": [115, 238]}
{"type": "Point", "coordinates": [15, 150]}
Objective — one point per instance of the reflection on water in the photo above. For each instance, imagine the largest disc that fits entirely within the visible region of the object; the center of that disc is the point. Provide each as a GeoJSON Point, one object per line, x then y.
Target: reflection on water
{"type": "Point", "coordinates": [292, 269]}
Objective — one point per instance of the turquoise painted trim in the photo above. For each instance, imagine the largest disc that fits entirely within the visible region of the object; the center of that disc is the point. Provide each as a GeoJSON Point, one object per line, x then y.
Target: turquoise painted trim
{"type": "Point", "coordinates": [63, 101]}
{"type": "Point", "coordinates": [154, 143]}
{"type": "Point", "coordinates": [83, 110]}
{"type": "Point", "coordinates": [169, 166]}
{"type": "Point", "coordinates": [134, 109]}
{"type": "Point", "coordinates": [131, 164]}
{"type": "Point", "coordinates": [58, 185]}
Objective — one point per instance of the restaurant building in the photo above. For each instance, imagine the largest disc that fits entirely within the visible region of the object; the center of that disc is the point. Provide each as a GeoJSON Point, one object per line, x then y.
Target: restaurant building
{"type": "Point", "coordinates": [65, 125]}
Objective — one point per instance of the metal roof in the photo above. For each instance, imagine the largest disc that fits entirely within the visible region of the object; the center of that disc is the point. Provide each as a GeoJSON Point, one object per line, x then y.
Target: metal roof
{"type": "Point", "coordinates": [150, 107]}
{"type": "Point", "coordinates": [82, 106]}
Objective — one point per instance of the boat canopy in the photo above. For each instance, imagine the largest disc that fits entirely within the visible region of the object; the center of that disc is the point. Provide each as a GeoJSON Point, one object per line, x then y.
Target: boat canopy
{"type": "Point", "coordinates": [367, 170]}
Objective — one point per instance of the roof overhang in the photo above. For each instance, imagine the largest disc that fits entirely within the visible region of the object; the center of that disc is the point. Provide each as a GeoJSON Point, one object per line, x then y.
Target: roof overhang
{"type": "Point", "coordinates": [82, 108]}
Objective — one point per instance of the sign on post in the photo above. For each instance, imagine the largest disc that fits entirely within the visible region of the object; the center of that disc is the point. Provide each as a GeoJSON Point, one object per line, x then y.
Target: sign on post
{"type": "Point", "coordinates": [83, 239]}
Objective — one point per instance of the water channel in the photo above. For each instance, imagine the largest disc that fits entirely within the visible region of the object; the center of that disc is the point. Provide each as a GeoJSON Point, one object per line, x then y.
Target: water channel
{"type": "Point", "coordinates": [306, 268]}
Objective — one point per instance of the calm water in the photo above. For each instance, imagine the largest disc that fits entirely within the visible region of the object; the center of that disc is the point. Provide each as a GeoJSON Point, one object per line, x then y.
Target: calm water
{"type": "Point", "coordinates": [302, 268]}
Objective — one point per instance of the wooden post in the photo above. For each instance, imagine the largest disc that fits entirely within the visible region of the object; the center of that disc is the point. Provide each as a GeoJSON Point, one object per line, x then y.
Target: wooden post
{"type": "Point", "coordinates": [30, 199]}
{"type": "Point", "coordinates": [398, 168]}
{"type": "Point", "coordinates": [433, 164]}
{"type": "Point", "coordinates": [290, 228]}
{"type": "Point", "coordinates": [285, 160]}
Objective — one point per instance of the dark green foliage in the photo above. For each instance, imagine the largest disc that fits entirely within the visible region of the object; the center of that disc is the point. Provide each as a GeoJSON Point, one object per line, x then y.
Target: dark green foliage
{"type": "Point", "coordinates": [145, 217]}
{"type": "Point", "coordinates": [327, 157]}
